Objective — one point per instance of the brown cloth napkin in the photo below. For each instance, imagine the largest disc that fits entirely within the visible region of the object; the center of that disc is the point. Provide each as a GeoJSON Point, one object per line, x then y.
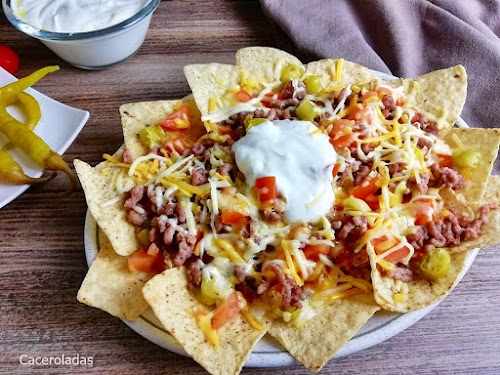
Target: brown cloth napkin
{"type": "Point", "coordinates": [406, 38]}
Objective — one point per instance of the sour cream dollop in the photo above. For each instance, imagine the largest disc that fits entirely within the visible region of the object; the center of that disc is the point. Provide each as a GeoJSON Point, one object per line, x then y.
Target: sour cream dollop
{"type": "Point", "coordinates": [300, 160]}
{"type": "Point", "coordinates": [72, 16]}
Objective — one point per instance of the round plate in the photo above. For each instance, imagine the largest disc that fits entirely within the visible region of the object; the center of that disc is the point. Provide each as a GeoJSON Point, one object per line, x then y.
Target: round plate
{"type": "Point", "coordinates": [268, 353]}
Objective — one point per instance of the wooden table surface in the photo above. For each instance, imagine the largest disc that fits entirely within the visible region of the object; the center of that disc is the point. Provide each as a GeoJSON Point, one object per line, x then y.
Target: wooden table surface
{"type": "Point", "coordinates": [42, 261]}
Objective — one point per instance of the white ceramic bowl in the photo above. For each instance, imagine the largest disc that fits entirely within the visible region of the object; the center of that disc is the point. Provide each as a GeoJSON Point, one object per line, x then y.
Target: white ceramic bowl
{"type": "Point", "coordinates": [99, 49]}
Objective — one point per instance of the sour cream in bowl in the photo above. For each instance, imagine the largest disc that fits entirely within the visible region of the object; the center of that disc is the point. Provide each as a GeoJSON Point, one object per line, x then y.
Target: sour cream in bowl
{"type": "Point", "coordinates": [89, 34]}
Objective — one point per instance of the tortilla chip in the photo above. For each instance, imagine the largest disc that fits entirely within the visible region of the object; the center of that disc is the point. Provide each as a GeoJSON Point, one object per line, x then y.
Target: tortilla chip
{"type": "Point", "coordinates": [441, 92]}
{"type": "Point", "coordinates": [264, 64]}
{"type": "Point", "coordinates": [421, 293]}
{"type": "Point", "coordinates": [137, 116]}
{"type": "Point", "coordinates": [323, 335]}
{"type": "Point", "coordinates": [210, 81]}
{"type": "Point", "coordinates": [110, 286]}
{"type": "Point", "coordinates": [484, 141]}
{"type": "Point", "coordinates": [174, 306]}
{"type": "Point", "coordinates": [351, 73]}
{"type": "Point", "coordinates": [261, 65]}
{"type": "Point", "coordinates": [112, 219]}
{"type": "Point", "coordinates": [489, 232]}
{"type": "Point", "coordinates": [418, 293]}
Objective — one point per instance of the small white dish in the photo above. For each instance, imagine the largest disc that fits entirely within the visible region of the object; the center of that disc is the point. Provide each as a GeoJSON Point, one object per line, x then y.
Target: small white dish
{"type": "Point", "coordinates": [99, 49]}
{"type": "Point", "coordinates": [59, 126]}
{"type": "Point", "coordinates": [268, 353]}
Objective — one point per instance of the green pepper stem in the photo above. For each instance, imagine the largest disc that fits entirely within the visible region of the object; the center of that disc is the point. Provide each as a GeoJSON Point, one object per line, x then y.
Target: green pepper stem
{"type": "Point", "coordinates": [55, 162]}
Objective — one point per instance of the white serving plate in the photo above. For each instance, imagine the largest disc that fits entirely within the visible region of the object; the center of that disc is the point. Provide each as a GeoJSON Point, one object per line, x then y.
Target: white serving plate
{"type": "Point", "coordinates": [59, 126]}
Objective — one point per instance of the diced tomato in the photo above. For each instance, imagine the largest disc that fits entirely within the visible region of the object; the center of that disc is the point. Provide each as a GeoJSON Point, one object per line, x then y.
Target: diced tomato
{"type": "Point", "coordinates": [336, 169]}
{"type": "Point", "coordinates": [223, 130]}
{"type": "Point", "coordinates": [398, 255]}
{"type": "Point", "coordinates": [360, 114]}
{"type": "Point", "coordinates": [170, 124]}
{"type": "Point", "coordinates": [314, 251]}
{"type": "Point", "coordinates": [339, 125]}
{"type": "Point", "coordinates": [338, 137]}
{"type": "Point", "coordinates": [384, 243]}
{"type": "Point", "coordinates": [142, 261]}
{"type": "Point", "coordinates": [444, 160]}
{"type": "Point", "coordinates": [368, 187]}
{"type": "Point", "coordinates": [243, 96]}
{"type": "Point", "coordinates": [373, 202]}
{"type": "Point", "coordinates": [343, 141]}
{"type": "Point", "coordinates": [232, 217]}
{"type": "Point", "coordinates": [225, 311]}
{"type": "Point", "coordinates": [268, 98]}
{"type": "Point", "coordinates": [423, 210]}
{"type": "Point", "coordinates": [266, 189]}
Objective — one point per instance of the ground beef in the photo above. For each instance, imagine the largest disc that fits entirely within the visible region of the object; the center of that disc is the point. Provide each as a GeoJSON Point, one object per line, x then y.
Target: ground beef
{"type": "Point", "coordinates": [389, 103]}
{"type": "Point", "coordinates": [199, 176]}
{"type": "Point", "coordinates": [224, 169]}
{"type": "Point", "coordinates": [181, 213]}
{"type": "Point", "coordinates": [198, 149]}
{"type": "Point", "coordinates": [422, 142]}
{"type": "Point", "coordinates": [395, 168]}
{"type": "Point", "coordinates": [350, 228]}
{"type": "Point", "coordinates": [431, 127]}
{"type": "Point", "coordinates": [186, 246]}
{"type": "Point", "coordinates": [272, 115]}
{"type": "Point", "coordinates": [427, 126]}
{"type": "Point", "coordinates": [361, 174]}
{"type": "Point", "coordinates": [168, 234]}
{"type": "Point", "coordinates": [346, 177]}
{"type": "Point", "coordinates": [401, 273]}
{"type": "Point", "coordinates": [136, 218]}
{"type": "Point", "coordinates": [423, 186]}
{"type": "Point", "coordinates": [445, 176]}
{"type": "Point", "coordinates": [291, 293]}
{"type": "Point", "coordinates": [135, 195]}
{"type": "Point", "coordinates": [167, 209]}
{"type": "Point", "coordinates": [271, 216]}
{"type": "Point", "coordinates": [218, 224]}
{"type": "Point", "coordinates": [290, 92]}
{"type": "Point", "coordinates": [448, 231]}
{"type": "Point", "coordinates": [417, 238]}
{"type": "Point", "coordinates": [193, 270]}
{"type": "Point", "coordinates": [127, 156]}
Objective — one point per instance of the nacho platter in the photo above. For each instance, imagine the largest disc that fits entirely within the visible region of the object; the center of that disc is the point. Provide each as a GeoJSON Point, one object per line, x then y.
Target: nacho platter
{"type": "Point", "coordinates": [317, 286]}
{"type": "Point", "coordinates": [267, 353]}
